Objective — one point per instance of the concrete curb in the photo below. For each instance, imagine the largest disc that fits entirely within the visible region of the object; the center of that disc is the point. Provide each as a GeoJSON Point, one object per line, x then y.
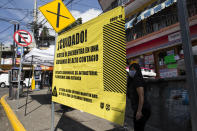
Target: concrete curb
{"type": "Point", "coordinates": [16, 124]}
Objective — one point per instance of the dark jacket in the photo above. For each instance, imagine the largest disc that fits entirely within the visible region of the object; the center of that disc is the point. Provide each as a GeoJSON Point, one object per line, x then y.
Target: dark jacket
{"type": "Point", "coordinates": [132, 85]}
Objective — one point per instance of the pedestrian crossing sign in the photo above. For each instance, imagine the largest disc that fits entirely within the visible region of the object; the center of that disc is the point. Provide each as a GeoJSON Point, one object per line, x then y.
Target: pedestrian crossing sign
{"type": "Point", "coordinates": [57, 15]}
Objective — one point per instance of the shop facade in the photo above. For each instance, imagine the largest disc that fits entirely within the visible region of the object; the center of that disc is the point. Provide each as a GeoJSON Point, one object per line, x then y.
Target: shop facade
{"type": "Point", "coordinates": [154, 41]}
{"type": "Point", "coordinates": [162, 51]}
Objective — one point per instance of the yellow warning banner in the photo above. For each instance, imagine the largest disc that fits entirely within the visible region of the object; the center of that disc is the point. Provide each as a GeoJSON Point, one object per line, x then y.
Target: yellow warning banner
{"type": "Point", "coordinates": [90, 67]}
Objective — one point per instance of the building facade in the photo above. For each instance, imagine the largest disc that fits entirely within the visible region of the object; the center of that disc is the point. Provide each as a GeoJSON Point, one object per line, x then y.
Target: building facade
{"type": "Point", "coordinates": [153, 34]}
{"type": "Point", "coordinates": [154, 41]}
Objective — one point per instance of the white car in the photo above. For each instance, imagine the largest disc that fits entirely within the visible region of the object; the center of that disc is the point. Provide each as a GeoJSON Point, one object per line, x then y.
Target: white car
{"type": "Point", "coordinates": [146, 72]}
{"type": "Point", "coordinates": [26, 82]}
{"type": "Point", "coordinates": [4, 82]}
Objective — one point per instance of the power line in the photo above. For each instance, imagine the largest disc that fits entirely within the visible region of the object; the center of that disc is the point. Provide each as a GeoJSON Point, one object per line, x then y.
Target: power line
{"type": "Point", "coordinates": [82, 4]}
{"type": "Point", "coordinates": [13, 4]}
{"type": "Point", "coordinates": [19, 9]}
{"type": "Point", "coordinates": [6, 29]}
{"type": "Point", "coordinates": [6, 3]}
{"type": "Point", "coordinates": [45, 22]}
{"type": "Point", "coordinates": [11, 25]}
{"type": "Point", "coordinates": [69, 2]}
{"type": "Point", "coordinates": [44, 1]}
{"type": "Point", "coordinates": [74, 3]}
{"type": "Point", "coordinates": [85, 5]}
{"type": "Point", "coordinates": [9, 20]}
{"type": "Point", "coordinates": [4, 19]}
{"type": "Point", "coordinates": [42, 20]}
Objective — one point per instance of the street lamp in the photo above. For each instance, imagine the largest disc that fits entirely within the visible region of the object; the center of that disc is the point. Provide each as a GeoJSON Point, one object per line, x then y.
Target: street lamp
{"type": "Point", "coordinates": [14, 22]}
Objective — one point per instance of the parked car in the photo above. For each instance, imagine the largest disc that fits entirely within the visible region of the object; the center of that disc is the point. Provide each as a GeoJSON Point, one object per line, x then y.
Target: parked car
{"type": "Point", "coordinates": [26, 81]}
{"type": "Point", "coordinates": [4, 82]}
{"type": "Point", "coordinates": [146, 72]}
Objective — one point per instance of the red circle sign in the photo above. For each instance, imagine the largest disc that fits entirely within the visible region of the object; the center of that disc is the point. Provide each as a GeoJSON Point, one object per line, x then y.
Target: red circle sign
{"type": "Point", "coordinates": [22, 38]}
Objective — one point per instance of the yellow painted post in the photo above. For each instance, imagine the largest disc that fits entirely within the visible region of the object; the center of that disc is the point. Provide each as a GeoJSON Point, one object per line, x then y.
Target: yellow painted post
{"type": "Point", "coordinates": [33, 84]}
{"type": "Point", "coordinates": [33, 80]}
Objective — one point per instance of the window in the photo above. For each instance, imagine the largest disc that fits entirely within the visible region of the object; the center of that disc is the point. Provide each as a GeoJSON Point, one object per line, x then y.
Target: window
{"type": "Point", "coordinates": [122, 2]}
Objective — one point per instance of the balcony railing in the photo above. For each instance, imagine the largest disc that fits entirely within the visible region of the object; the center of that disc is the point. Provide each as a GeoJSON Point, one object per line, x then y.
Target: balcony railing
{"type": "Point", "coordinates": [162, 19]}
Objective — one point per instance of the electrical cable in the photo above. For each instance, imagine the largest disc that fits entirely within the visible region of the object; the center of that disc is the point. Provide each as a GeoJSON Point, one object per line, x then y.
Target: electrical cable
{"type": "Point", "coordinates": [6, 3]}
{"type": "Point", "coordinates": [4, 19]}
{"type": "Point", "coordinates": [69, 2]}
{"type": "Point", "coordinates": [9, 20]}
{"type": "Point", "coordinates": [85, 5]}
{"type": "Point", "coordinates": [6, 29]}
{"type": "Point", "coordinates": [44, 1]}
{"type": "Point", "coordinates": [19, 9]}
{"type": "Point", "coordinates": [42, 20]}
{"type": "Point", "coordinates": [12, 25]}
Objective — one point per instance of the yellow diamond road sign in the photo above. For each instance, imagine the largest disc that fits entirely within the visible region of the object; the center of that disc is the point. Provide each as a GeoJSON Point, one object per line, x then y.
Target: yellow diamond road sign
{"type": "Point", "coordinates": [57, 15]}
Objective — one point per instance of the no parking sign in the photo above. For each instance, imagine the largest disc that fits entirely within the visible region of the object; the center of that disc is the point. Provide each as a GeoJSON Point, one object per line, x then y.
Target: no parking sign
{"type": "Point", "coordinates": [22, 38]}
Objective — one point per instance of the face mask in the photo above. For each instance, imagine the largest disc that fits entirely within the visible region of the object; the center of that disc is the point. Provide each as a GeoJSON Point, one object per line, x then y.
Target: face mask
{"type": "Point", "coordinates": [132, 73]}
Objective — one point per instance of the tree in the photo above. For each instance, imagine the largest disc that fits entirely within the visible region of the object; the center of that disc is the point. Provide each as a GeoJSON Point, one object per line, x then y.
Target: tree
{"type": "Point", "coordinates": [44, 36]}
{"type": "Point", "coordinates": [45, 32]}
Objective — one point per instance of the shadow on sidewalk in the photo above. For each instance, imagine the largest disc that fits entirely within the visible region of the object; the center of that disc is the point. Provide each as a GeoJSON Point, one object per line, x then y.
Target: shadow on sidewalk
{"type": "Point", "coordinates": [25, 104]}
{"type": "Point", "coordinates": [24, 94]}
{"type": "Point", "coordinates": [33, 110]}
{"type": "Point", "coordinates": [42, 99]}
{"type": "Point", "coordinates": [68, 124]}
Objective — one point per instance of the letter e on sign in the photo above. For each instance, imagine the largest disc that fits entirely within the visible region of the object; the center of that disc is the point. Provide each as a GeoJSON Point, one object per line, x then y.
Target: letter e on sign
{"type": "Point", "coordinates": [22, 38]}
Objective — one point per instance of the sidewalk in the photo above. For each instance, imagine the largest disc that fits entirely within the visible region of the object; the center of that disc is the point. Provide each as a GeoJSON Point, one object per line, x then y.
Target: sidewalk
{"type": "Point", "coordinates": [38, 117]}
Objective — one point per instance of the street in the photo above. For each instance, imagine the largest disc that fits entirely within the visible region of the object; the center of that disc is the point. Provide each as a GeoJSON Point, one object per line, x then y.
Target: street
{"type": "Point", "coordinates": [4, 122]}
{"type": "Point", "coordinates": [98, 65]}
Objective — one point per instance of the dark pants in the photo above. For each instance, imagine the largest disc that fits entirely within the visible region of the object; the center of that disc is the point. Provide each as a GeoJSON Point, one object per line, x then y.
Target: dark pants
{"type": "Point", "coordinates": [139, 125]}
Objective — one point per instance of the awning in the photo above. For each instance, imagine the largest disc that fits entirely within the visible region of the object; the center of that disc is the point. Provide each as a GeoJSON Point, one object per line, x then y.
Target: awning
{"type": "Point", "coordinates": [6, 67]}
{"type": "Point", "coordinates": [40, 57]}
{"type": "Point", "coordinates": [149, 12]}
{"type": "Point", "coordinates": [156, 45]}
{"type": "Point", "coordinates": [129, 24]}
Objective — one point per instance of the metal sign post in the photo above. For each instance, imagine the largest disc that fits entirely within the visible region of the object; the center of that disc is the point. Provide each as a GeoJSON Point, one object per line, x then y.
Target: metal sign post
{"type": "Point", "coordinates": [189, 62]}
{"type": "Point", "coordinates": [19, 78]}
{"type": "Point", "coordinates": [23, 39]}
{"type": "Point", "coordinates": [28, 86]}
{"type": "Point", "coordinates": [52, 115]}
{"type": "Point", "coordinates": [55, 9]}
{"type": "Point", "coordinates": [53, 103]}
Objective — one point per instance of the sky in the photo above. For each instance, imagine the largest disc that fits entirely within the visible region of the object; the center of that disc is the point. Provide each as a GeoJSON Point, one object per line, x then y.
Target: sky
{"type": "Point", "coordinates": [12, 11]}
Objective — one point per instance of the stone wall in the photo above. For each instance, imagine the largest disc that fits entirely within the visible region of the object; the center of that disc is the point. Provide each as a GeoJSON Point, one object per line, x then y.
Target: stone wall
{"type": "Point", "coordinates": [169, 105]}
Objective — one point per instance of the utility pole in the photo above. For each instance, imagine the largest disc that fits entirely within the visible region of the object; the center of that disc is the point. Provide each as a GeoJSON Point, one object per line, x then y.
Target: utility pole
{"type": "Point", "coordinates": [189, 61]}
{"type": "Point", "coordinates": [13, 49]}
{"type": "Point", "coordinates": [13, 64]}
{"type": "Point", "coordinates": [35, 11]}
{"type": "Point", "coordinates": [16, 46]}
{"type": "Point", "coordinates": [1, 53]}
{"type": "Point", "coordinates": [35, 26]}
